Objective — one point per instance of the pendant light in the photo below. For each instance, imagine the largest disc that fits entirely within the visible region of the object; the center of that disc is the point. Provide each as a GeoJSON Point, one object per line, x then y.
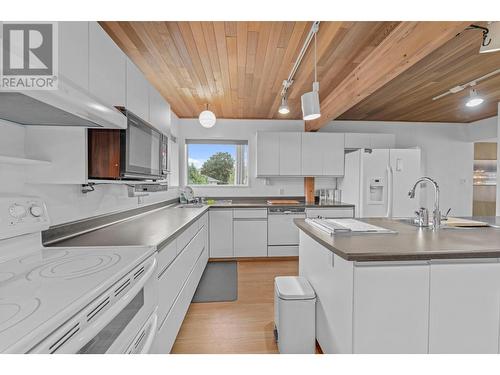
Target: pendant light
{"type": "Point", "coordinates": [284, 109]}
{"type": "Point", "coordinates": [474, 99]}
{"type": "Point", "coordinates": [310, 100]}
{"type": "Point", "coordinates": [207, 118]}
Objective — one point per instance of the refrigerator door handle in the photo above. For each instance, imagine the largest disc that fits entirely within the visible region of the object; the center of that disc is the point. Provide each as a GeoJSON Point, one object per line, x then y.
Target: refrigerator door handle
{"type": "Point", "coordinates": [389, 191]}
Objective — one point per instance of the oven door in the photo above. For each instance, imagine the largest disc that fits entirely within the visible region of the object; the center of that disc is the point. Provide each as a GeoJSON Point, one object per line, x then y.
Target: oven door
{"type": "Point", "coordinates": [112, 323]}
{"type": "Point", "coordinates": [142, 150]}
{"type": "Point", "coordinates": [125, 329]}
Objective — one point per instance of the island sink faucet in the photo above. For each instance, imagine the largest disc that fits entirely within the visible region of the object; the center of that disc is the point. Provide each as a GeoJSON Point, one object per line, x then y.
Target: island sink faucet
{"type": "Point", "coordinates": [436, 217]}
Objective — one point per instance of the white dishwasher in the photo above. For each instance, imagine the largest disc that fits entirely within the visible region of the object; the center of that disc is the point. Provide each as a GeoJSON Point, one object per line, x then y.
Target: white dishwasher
{"type": "Point", "coordinates": [282, 233]}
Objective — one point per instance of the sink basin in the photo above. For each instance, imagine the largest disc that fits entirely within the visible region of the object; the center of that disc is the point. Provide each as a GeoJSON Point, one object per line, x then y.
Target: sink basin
{"type": "Point", "coordinates": [444, 226]}
{"type": "Point", "coordinates": [190, 205]}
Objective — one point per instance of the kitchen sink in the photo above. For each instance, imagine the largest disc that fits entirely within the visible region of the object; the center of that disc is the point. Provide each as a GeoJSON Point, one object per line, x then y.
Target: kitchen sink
{"type": "Point", "coordinates": [444, 226]}
{"type": "Point", "coordinates": [190, 205]}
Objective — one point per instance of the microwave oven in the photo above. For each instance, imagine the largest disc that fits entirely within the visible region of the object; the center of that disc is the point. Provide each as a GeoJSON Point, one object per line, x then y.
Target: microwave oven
{"type": "Point", "coordinates": [139, 152]}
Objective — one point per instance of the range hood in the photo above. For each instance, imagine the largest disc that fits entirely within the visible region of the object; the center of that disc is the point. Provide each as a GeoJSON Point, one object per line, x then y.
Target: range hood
{"type": "Point", "coordinates": [62, 107]}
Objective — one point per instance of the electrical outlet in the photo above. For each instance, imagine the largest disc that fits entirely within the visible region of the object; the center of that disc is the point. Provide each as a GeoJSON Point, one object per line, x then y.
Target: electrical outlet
{"type": "Point", "coordinates": [282, 191]}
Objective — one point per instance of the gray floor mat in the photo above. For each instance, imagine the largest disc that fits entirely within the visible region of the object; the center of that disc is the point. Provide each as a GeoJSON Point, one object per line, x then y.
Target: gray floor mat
{"type": "Point", "coordinates": [219, 283]}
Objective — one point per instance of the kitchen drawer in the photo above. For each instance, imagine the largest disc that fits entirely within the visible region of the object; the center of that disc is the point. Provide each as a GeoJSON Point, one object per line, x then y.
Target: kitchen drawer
{"type": "Point", "coordinates": [247, 213]}
{"type": "Point", "coordinates": [186, 236]}
{"type": "Point", "coordinates": [169, 327]}
{"type": "Point", "coordinates": [166, 255]}
{"type": "Point", "coordinates": [329, 212]}
{"type": "Point", "coordinates": [171, 281]}
{"type": "Point", "coordinates": [203, 221]}
{"type": "Point", "coordinates": [283, 251]}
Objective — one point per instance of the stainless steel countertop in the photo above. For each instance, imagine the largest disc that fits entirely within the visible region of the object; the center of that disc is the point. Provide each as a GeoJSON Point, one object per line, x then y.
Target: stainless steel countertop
{"type": "Point", "coordinates": [410, 243]}
{"type": "Point", "coordinates": [160, 226]}
{"type": "Point", "coordinates": [155, 228]}
{"type": "Point", "coordinates": [264, 204]}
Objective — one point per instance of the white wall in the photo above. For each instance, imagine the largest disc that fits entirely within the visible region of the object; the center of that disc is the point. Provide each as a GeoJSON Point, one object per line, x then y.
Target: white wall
{"type": "Point", "coordinates": [64, 202]}
{"type": "Point", "coordinates": [447, 155]}
{"type": "Point", "coordinates": [245, 130]}
{"type": "Point", "coordinates": [498, 164]}
{"type": "Point", "coordinates": [482, 130]}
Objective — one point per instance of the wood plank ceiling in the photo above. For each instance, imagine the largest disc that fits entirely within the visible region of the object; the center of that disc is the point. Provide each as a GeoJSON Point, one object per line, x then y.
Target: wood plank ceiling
{"type": "Point", "coordinates": [408, 97]}
{"type": "Point", "coordinates": [238, 68]}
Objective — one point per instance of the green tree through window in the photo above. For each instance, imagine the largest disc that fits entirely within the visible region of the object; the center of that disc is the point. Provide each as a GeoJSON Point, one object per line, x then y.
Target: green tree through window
{"type": "Point", "coordinates": [217, 162]}
{"type": "Point", "coordinates": [220, 167]}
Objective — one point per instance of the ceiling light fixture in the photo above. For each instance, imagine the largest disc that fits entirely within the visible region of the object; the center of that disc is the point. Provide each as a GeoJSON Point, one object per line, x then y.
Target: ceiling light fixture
{"type": "Point", "coordinates": [491, 38]}
{"type": "Point", "coordinates": [472, 83]}
{"type": "Point", "coordinates": [207, 118]}
{"type": "Point", "coordinates": [284, 109]}
{"type": "Point", "coordinates": [310, 100]}
{"type": "Point", "coordinates": [474, 99]}
{"type": "Point", "coordinates": [287, 83]}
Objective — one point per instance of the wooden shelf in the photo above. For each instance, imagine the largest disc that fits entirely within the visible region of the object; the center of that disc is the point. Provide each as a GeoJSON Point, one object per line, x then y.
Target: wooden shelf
{"type": "Point", "coordinates": [15, 160]}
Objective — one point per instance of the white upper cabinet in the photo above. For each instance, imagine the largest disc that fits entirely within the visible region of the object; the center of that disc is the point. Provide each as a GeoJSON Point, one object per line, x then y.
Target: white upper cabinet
{"type": "Point", "coordinates": [74, 54]}
{"type": "Point", "coordinates": [300, 154]}
{"type": "Point", "coordinates": [332, 147]}
{"type": "Point", "coordinates": [322, 154]}
{"type": "Point", "coordinates": [159, 111]}
{"type": "Point", "coordinates": [312, 155]}
{"type": "Point", "coordinates": [357, 140]}
{"type": "Point", "coordinates": [107, 68]}
{"type": "Point", "coordinates": [289, 154]}
{"type": "Point", "coordinates": [382, 140]}
{"type": "Point", "coordinates": [268, 154]}
{"type": "Point", "coordinates": [137, 92]}
{"type": "Point", "coordinates": [369, 140]}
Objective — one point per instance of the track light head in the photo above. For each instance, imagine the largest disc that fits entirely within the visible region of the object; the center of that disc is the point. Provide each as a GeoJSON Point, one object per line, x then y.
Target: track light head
{"type": "Point", "coordinates": [284, 109]}
{"type": "Point", "coordinates": [474, 99]}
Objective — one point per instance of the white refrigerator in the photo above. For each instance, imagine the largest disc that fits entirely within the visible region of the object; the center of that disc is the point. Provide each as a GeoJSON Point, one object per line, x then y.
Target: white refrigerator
{"type": "Point", "coordinates": [377, 182]}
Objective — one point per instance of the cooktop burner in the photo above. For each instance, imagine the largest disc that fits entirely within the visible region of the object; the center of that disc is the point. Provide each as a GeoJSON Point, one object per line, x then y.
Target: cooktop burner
{"type": "Point", "coordinates": [46, 256]}
{"type": "Point", "coordinates": [72, 267]}
{"type": "Point", "coordinates": [6, 276]}
{"type": "Point", "coordinates": [14, 310]}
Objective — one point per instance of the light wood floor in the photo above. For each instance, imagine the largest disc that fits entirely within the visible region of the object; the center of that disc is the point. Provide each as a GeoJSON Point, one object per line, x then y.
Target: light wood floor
{"type": "Point", "coordinates": [242, 326]}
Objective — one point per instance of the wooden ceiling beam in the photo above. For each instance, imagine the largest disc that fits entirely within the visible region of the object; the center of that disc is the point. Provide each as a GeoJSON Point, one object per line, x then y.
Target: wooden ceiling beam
{"type": "Point", "coordinates": [406, 45]}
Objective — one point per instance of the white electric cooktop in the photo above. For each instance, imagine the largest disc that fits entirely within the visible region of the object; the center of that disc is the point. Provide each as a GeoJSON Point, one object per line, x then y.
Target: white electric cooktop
{"type": "Point", "coordinates": [41, 290]}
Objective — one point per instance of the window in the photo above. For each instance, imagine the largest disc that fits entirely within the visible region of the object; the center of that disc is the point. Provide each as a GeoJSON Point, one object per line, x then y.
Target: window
{"type": "Point", "coordinates": [217, 162]}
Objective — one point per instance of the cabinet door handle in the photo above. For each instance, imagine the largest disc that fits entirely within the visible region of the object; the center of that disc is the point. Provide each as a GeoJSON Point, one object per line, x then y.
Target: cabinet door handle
{"type": "Point", "coordinates": [333, 259]}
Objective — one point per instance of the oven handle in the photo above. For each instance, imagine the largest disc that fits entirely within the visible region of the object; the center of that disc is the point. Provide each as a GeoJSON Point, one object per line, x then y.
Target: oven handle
{"type": "Point", "coordinates": [93, 329]}
{"type": "Point", "coordinates": [151, 335]}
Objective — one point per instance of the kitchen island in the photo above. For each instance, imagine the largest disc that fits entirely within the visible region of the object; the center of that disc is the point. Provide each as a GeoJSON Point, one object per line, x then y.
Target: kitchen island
{"type": "Point", "coordinates": [415, 291]}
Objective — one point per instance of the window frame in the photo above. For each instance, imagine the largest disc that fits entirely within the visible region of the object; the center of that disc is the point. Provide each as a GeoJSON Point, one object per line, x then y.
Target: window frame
{"type": "Point", "coordinates": [216, 141]}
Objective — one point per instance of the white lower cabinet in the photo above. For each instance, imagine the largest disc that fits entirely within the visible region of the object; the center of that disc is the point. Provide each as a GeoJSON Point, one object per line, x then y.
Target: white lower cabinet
{"type": "Point", "coordinates": [464, 314]}
{"type": "Point", "coordinates": [181, 265]}
{"type": "Point", "coordinates": [250, 237]}
{"type": "Point", "coordinates": [331, 278]}
{"type": "Point", "coordinates": [391, 305]}
{"type": "Point", "coordinates": [221, 233]}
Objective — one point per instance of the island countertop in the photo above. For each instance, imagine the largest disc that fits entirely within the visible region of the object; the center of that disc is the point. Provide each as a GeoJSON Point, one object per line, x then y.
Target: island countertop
{"type": "Point", "coordinates": [410, 242]}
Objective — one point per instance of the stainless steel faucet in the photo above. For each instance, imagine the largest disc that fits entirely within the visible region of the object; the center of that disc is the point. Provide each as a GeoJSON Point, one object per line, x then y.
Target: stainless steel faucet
{"type": "Point", "coordinates": [436, 217]}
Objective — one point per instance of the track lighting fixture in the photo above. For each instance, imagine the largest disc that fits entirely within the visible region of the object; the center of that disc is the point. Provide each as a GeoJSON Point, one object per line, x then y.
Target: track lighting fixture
{"type": "Point", "coordinates": [287, 83]}
{"type": "Point", "coordinates": [310, 100]}
{"type": "Point", "coordinates": [491, 38]}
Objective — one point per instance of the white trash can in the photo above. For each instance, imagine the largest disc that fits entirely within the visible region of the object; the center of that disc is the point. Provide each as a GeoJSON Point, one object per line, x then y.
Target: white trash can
{"type": "Point", "coordinates": [294, 315]}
